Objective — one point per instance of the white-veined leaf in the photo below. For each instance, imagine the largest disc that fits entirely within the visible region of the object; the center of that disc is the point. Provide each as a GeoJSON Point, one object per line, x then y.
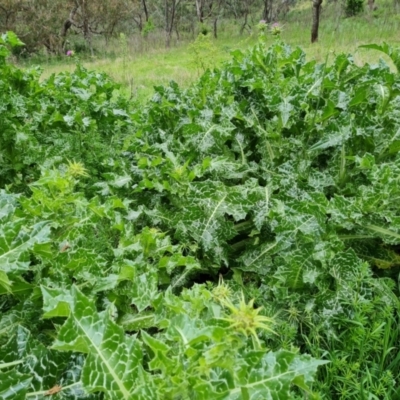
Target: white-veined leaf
{"type": "Point", "coordinates": [114, 361]}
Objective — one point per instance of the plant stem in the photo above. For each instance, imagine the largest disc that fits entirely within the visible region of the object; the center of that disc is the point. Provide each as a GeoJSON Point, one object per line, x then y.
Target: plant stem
{"type": "Point", "coordinates": [10, 364]}
{"type": "Point", "coordinates": [45, 392]}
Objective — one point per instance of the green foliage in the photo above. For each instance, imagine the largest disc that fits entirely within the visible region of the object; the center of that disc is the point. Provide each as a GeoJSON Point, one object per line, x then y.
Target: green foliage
{"type": "Point", "coordinates": [196, 353]}
{"type": "Point", "coordinates": [69, 116]}
{"type": "Point", "coordinates": [280, 175]}
{"type": "Point", "coordinates": [8, 41]}
{"type": "Point", "coordinates": [203, 52]}
{"type": "Point", "coordinates": [353, 7]}
{"type": "Point", "coordinates": [148, 28]}
{"type": "Point", "coordinates": [204, 29]}
{"type": "Point", "coordinates": [393, 53]}
{"type": "Point", "coordinates": [52, 245]}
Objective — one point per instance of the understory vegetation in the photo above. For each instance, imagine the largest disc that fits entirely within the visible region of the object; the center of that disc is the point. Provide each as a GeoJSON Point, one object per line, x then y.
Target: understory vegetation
{"type": "Point", "coordinates": [238, 239]}
{"type": "Point", "coordinates": [139, 63]}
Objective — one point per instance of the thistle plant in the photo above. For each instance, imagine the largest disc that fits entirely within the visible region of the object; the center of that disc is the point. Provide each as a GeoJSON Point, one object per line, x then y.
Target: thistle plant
{"type": "Point", "coordinates": [245, 319]}
{"type": "Point", "coordinates": [222, 292]}
{"type": "Point", "coordinates": [262, 28]}
{"type": "Point", "coordinates": [76, 169]}
{"type": "Point", "coordinates": [276, 29]}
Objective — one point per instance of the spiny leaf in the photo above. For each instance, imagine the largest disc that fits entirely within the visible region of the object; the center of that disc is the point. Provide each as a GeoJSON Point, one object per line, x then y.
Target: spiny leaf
{"type": "Point", "coordinates": [16, 240]}
{"type": "Point", "coordinates": [274, 376]}
{"type": "Point", "coordinates": [13, 385]}
{"type": "Point", "coordinates": [24, 356]}
{"type": "Point", "coordinates": [113, 362]}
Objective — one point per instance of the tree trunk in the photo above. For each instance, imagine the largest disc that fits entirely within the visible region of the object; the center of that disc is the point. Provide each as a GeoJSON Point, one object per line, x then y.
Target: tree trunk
{"type": "Point", "coordinates": [167, 38]}
{"type": "Point", "coordinates": [215, 25]}
{"type": "Point", "coordinates": [315, 23]}
{"type": "Point", "coordinates": [88, 36]}
{"type": "Point", "coordinates": [67, 24]}
{"type": "Point", "coordinates": [146, 11]}
{"type": "Point", "coordinates": [138, 21]}
{"type": "Point", "coordinates": [371, 5]}
{"type": "Point", "coordinates": [285, 8]}
{"type": "Point", "coordinates": [267, 12]}
{"type": "Point", "coordinates": [169, 21]}
{"type": "Point", "coordinates": [199, 10]}
{"type": "Point", "coordinates": [246, 15]}
{"type": "Point", "coordinates": [85, 26]}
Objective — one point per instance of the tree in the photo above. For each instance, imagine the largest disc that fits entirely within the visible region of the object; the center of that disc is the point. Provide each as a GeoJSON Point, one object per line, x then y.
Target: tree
{"type": "Point", "coordinates": [145, 9]}
{"type": "Point", "coordinates": [200, 9]}
{"type": "Point", "coordinates": [48, 22]}
{"type": "Point", "coordinates": [218, 12]}
{"type": "Point", "coordinates": [67, 25]}
{"type": "Point", "coordinates": [36, 22]}
{"type": "Point", "coordinates": [245, 9]}
{"type": "Point", "coordinates": [268, 10]}
{"type": "Point", "coordinates": [98, 17]}
{"type": "Point", "coordinates": [316, 10]}
{"type": "Point", "coordinates": [170, 9]}
{"type": "Point", "coordinates": [138, 11]}
{"type": "Point", "coordinates": [9, 10]}
{"type": "Point", "coordinates": [210, 10]}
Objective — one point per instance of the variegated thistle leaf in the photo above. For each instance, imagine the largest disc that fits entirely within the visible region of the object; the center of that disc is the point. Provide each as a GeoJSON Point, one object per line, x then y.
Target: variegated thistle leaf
{"type": "Point", "coordinates": [114, 361]}
{"type": "Point", "coordinates": [273, 376]}
{"type": "Point", "coordinates": [29, 370]}
{"type": "Point", "coordinates": [13, 385]}
{"type": "Point", "coordinates": [208, 215]}
{"type": "Point", "coordinates": [16, 241]}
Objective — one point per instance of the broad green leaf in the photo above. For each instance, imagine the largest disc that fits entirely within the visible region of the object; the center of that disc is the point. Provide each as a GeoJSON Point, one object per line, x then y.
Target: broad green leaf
{"type": "Point", "coordinates": [5, 283]}
{"type": "Point", "coordinates": [334, 139]}
{"type": "Point", "coordinates": [13, 39]}
{"type": "Point", "coordinates": [42, 368]}
{"type": "Point", "coordinates": [113, 362]}
{"type": "Point", "coordinates": [273, 378]}
{"type": "Point", "coordinates": [295, 268]}
{"type": "Point", "coordinates": [285, 109]}
{"type": "Point", "coordinates": [13, 385]}
{"type": "Point", "coordinates": [392, 52]}
{"type": "Point", "coordinates": [16, 240]}
{"type": "Point", "coordinates": [19, 287]}
{"type": "Point", "coordinates": [56, 302]}
{"type": "Point", "coordinates": [135, 322]}
{"type": "Point", "coordinates": [144, 290]}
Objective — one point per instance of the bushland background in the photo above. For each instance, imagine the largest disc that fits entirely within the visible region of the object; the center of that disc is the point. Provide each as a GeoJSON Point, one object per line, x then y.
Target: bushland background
{"type": "Point", "coordinates": [143, 43]}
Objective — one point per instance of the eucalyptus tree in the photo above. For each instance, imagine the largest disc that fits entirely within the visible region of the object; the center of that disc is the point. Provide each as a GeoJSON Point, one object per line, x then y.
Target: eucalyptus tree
{"type": "Point", "coordinates": [170, 12]}
{"type": "Point", "coordinates": [316, 11]}
{"type": "Point", "coordinates": [268, 10]}
{"type": "Point", "coordinates": [48, 22]}
{"type": "Point", "coordinates": [96, 17]}
{"type": "Point", "coordinates": [139, 12]}
{"type": "Point", "coordinates": [210, 11]}
{"type": "Point", "coordinates": [38, 23]}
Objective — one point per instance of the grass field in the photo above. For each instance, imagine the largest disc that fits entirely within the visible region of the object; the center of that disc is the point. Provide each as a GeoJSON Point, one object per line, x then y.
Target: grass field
{"type": "Point", "coordinates": [140, 64]}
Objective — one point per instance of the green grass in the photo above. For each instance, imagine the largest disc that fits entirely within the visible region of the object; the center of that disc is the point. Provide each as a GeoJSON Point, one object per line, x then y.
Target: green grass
{"type": "Point", "coordinates": [140, 64]}
{"type": "Point", "coordinates": [139, 73]}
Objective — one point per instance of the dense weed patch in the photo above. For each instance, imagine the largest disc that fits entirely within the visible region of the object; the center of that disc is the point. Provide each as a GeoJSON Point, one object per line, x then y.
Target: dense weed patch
{"type": "Point", "coordinates": [235, 240]}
